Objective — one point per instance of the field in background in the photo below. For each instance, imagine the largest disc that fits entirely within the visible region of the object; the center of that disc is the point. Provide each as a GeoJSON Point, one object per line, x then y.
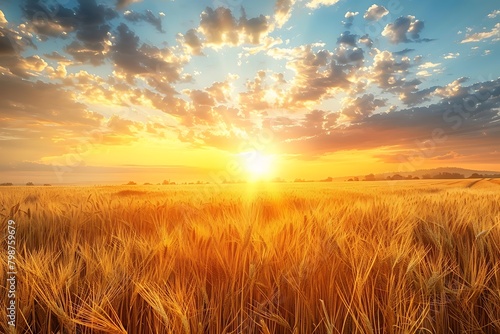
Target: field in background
{"type": "Point", "coordinates": [347, 257]}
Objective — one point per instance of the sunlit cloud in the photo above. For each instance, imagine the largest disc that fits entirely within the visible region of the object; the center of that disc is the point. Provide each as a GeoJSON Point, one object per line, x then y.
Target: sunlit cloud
{"type": "Point", "coordinates": [493, 34]}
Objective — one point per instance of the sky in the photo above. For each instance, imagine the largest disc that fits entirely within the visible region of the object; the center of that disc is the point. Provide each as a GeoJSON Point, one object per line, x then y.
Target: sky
{"type": "Point", "coordinates": [146, 90]}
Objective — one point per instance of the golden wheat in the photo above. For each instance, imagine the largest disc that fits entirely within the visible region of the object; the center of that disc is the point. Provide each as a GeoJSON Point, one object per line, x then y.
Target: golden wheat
{"type": "Point", "coordinates": [351, 257]}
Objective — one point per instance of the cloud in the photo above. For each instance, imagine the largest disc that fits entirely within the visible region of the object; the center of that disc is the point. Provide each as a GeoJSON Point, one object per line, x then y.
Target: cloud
{"type": "Point", "coordinates": [7, 44]}
{"type": "Point", "coordinates": [410, 95]}
{"type": "Point", "coordinates": [387, 72]}
{"type": "Point", "coordinates": [366, 40]}
{"type": "Point", "coordinates": [146, 16]}
{"type": "Point", "coordinates": [89, 21]}
{"type": "Point", "coordinates": [403, 52]}
{"type": "Point", "coordinates": [375, 13]}
{"type": "Point", "coordinates": [347, 38]}
{"type": "Point", "coordinates": [493, 34]}
{"type": "Point", "coordinates": [451, 55]}
{"type": "Point", "coordinates": [407, 129]}
{"type": "Point", "coordinates": [349, 55]}
{"type": "Point", "coordinates": [121, 126]}
{"type": "Point", "coordinates": [453, 89]}
{"type": "Point", "coordinates": [314, 4]}
{"type": "Point", "coordinates": [49, 21]}
{"type": "Point", "coordinates": [43, 124]}
{"type": "Point", "coordinates": [255, 96]}
{"type": "Point", "coordinates": [144, 60]}
{"type": "Point", "coordinates": [283, 11]}
{"type": "Point", "coordinates": [3, 20]}
{"type": "Point", "coordinates": [220, 27]}
{"type": "Point", "coordinates": [349, 16]}
{"type": "Point", "coordinates": [494, 14]}
{"type": "Point", "coordinates": [397, 32]}
{"type": "Point", "coordinates": [12, 44]}
{"type": "Point", "coordinates": [193, 42]}
{"type": "Point", "coordinates": [361, 107]}
{"type": "Point", "coordinates": [316, 75]}
{"type": "Point", "coordinates": [293, 129]}
{"type": "Point", "coordinates": [428, 64]}
{"type": "Point", "coordinates": [120, 4]}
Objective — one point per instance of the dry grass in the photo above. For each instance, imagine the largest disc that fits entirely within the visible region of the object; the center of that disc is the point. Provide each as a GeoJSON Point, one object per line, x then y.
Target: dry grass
{"type": "Point", "coordinates": [352, 257]}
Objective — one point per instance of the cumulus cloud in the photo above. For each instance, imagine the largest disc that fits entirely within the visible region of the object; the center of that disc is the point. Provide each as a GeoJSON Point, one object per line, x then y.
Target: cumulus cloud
{"type": "Point", "coordinates": [121, 126]}
{"type": "Point", "coordinates": [124, 3]}
{"type": "Point", "coordinates": [349, 55]}
{"type": "Point", "coordinates": [193, 42]}
{"type": "Point", "coordinates": [451, 55]}
{"type": "Point", "coordinates": [494, 14]}
{"type": "Point", "coordinates": [412, 126]}
{"type": "Point", "coordinates": [411, 95]}
{"type": "Point", "coordinates": [453, 89]}
{"type": "Point", "coordinates": [316, 75]}
{"type": "Point", "coordinates": [375, 13]}
{"type": "Point", "coordinates": [403, 52]}
{"type": "Point", "coordinates": [428, 64]}
{"type": "Point", "coordinates": [89, 21]}
{"type": "Point", "coordinates": [347, 38]}
{"type": "Point", "coordinates": [313, 4]}
{"type": "Point", "coordinates": [254, 98]}
{"type": "Point", "coordinates": [220, 27]}
{"type": "Point", "coordinates": [366, 40]}
{"type": "Point", "coordinates": [360, 107]}
{"type": "Point", "coordinates": [349, 16]}
{"type": "Point", "coordinates": [147, 16]}
{"type": "Point", "coordinates": [48, 120]}
{"type": "Point", "coordinates": [387, 72]}
{"type": "Point", "coordinates": [493, 34]}
{"type": "Point", "coordinates": [135, 59]}
{"type": "Point", "coordinates": [283, 11]}
{"type": "Point", "coordinates": [3, 20]}
{"type": "Point", "coordinates": [12, 44]}
{"type": "Point", "coordinates": [398, 31]}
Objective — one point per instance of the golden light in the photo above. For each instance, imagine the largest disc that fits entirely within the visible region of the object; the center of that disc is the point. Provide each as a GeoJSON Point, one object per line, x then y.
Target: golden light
{"type": "Point", "coordinates": [257, 164]}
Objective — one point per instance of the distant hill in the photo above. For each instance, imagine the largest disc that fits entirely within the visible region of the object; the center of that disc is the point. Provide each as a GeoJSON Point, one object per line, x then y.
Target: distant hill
{"type": "Point", "coordinates": [435, 171]}
{"type": "Point", "coordinates": [432, 172]}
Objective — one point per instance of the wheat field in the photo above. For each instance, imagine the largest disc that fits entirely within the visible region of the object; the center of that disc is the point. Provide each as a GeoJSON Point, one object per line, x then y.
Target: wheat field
{"type": "Point", "coordinates": [334, 257]}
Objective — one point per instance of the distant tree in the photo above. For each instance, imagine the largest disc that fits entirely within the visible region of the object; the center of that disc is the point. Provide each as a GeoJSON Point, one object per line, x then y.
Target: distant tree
{"type": "Point", "coordinates": [328, 179]}
{"type": "Point", "coordinates": [165, 182]}
{"type": "Point", "coordinates": [446, 175]}
{"type": "Point", "coordinates": [370, 177]}
{"type": "Point", "coordinates": [147, 184]}
{"type": "Point", "coordinates": [47, 185]}
{"type": "Point", "coordinates": [350, 180]}
{"type": "Point", "coordinates": [299, 180]}
{"type": "Point", "coordinates": [416, 178]}
{"type": "Point", "coordinates": [356, 179]}
{"type": "Point", "coordinates": [397, 177]}
{"type": "Point", "coordinates": [131, 183]}
{"type": "Point", "coordinates": [476, 176]}
{"type": "Point", "coordinates": [30, 184]}
{"type": "Point", "coordinates": [6, 184]}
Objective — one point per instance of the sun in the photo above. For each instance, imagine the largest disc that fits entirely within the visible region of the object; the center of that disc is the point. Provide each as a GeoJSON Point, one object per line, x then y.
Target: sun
{"type": "Point", "coordinates": [257, 164]}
